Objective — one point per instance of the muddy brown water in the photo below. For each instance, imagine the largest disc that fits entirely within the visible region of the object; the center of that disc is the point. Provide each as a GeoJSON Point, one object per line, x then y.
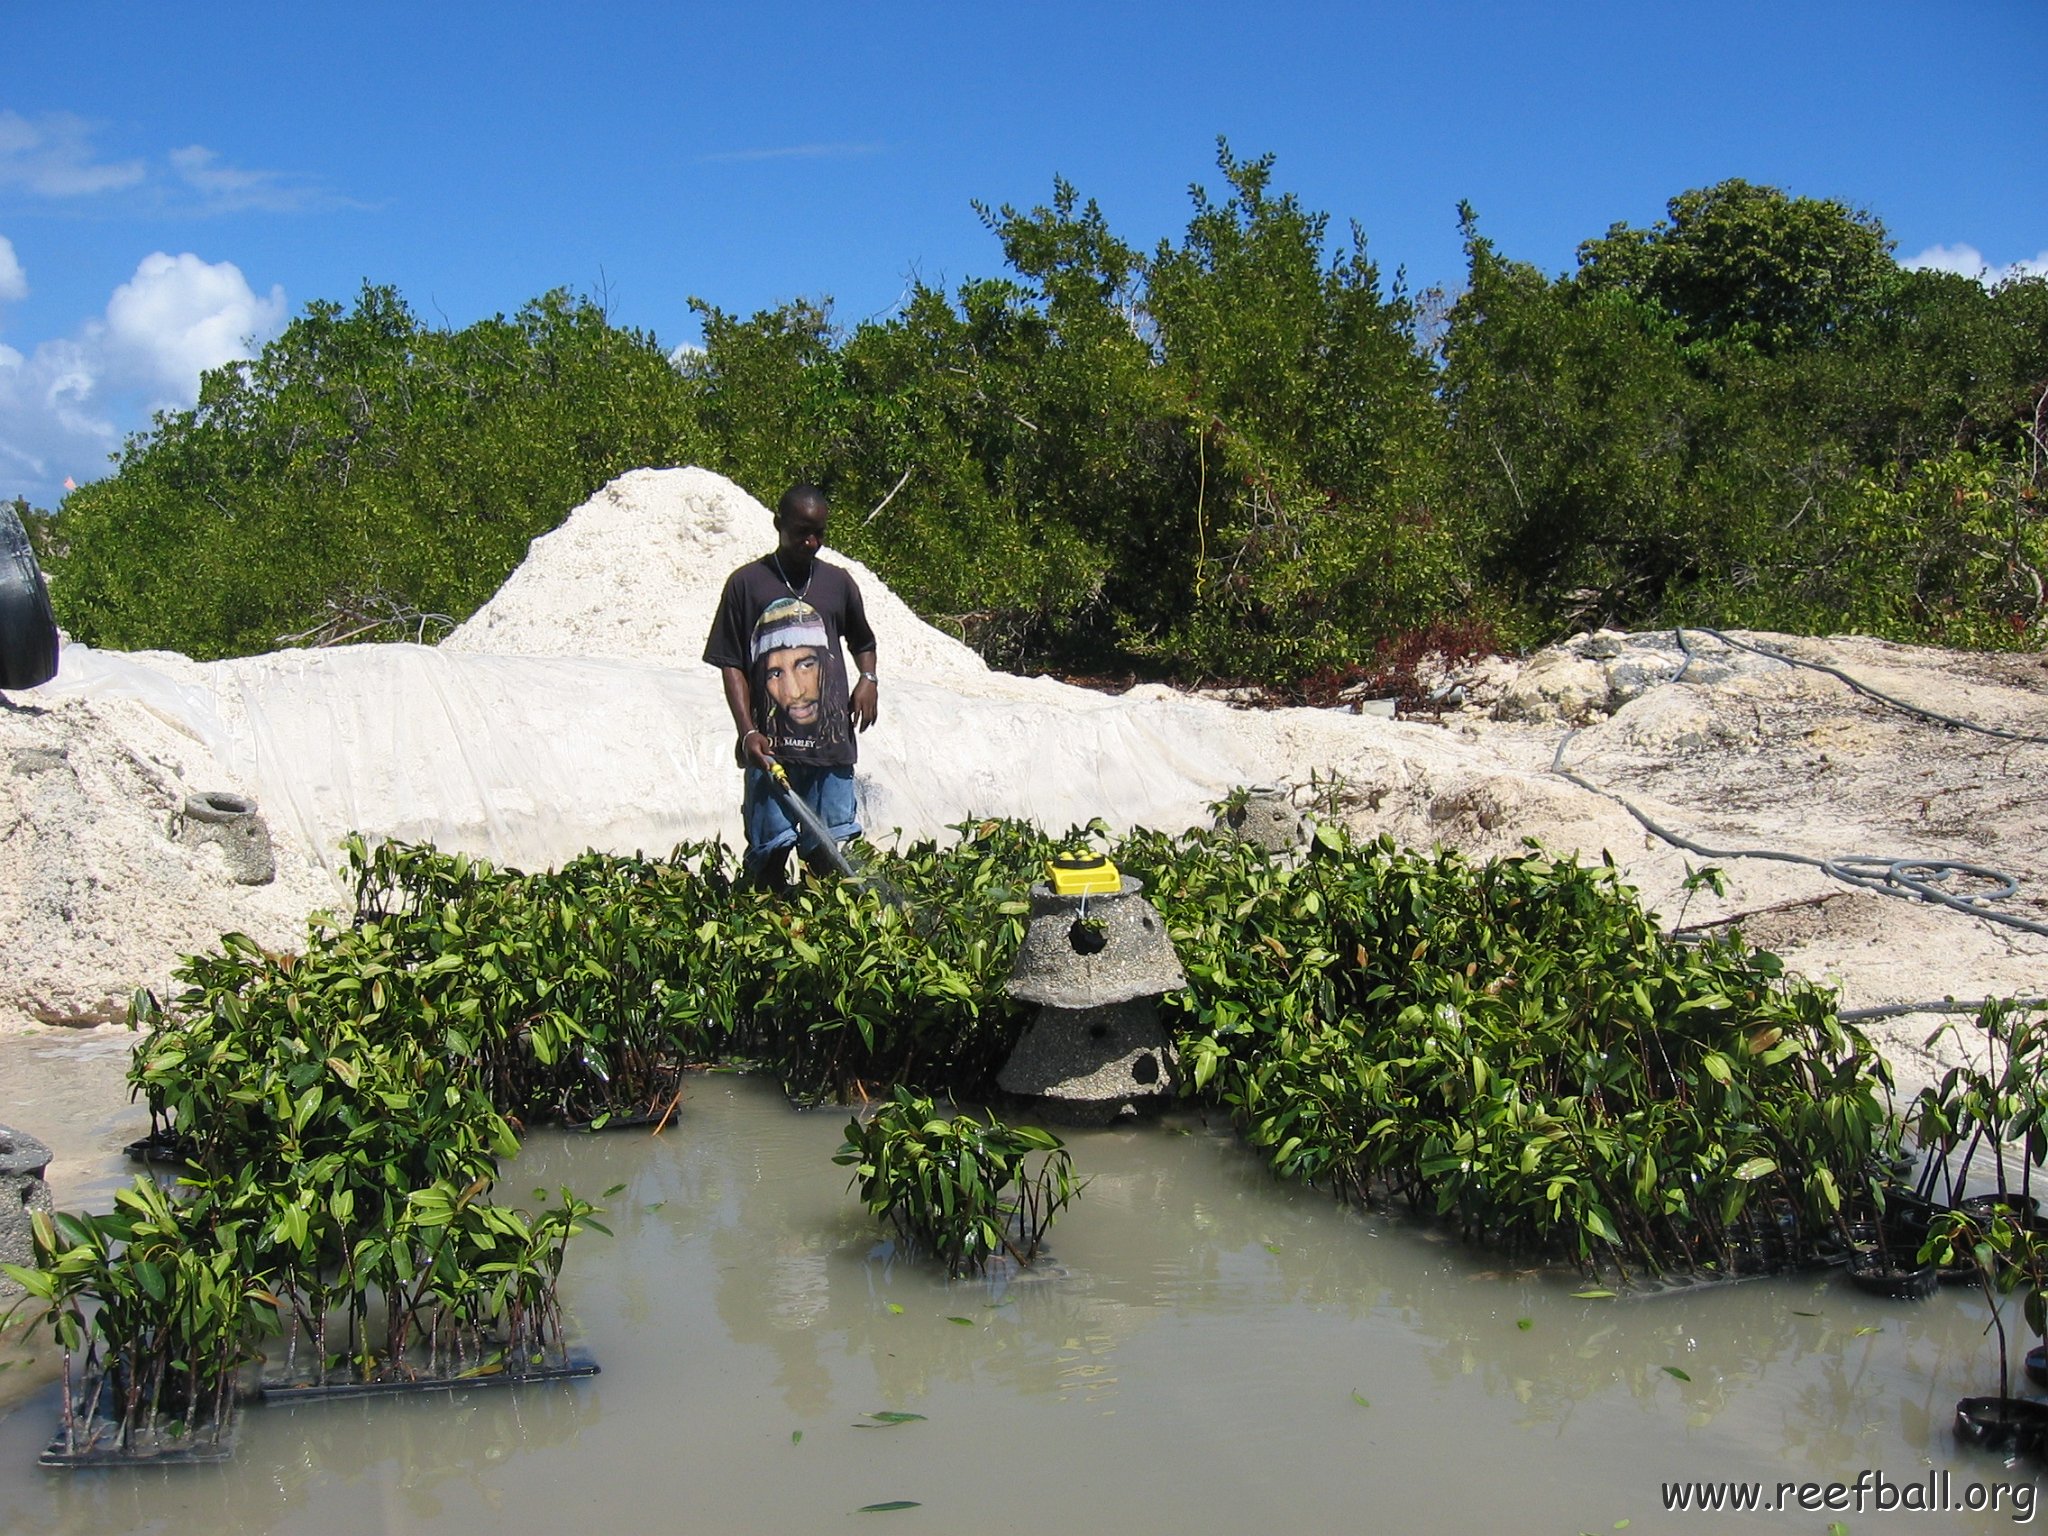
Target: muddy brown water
{"type": "Point", "coordinates": [1190, 1360]}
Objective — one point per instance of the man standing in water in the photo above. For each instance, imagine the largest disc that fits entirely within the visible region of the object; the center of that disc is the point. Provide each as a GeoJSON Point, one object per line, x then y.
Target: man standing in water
{"type": "Point", "coordinates": [776, 641]}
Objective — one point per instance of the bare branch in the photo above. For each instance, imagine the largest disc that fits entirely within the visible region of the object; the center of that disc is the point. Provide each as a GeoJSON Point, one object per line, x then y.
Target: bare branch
{"type": "Point", "coordinates": [886, 500]}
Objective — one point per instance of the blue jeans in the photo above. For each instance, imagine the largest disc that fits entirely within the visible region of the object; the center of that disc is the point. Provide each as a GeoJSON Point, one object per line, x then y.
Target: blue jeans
{"type": "Point", "coordinates": [770, 828]}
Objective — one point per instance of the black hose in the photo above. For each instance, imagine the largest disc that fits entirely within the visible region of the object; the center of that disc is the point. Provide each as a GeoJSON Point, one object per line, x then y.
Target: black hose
{"type": "Point", "coordinates": [808, 820]}
{"type": "Point", "coordinates": [1945, 1005]}
{"type": "Point", "coordinates": [1913, 877]}
{"type": "Point", "coordinates": [1863, 688]}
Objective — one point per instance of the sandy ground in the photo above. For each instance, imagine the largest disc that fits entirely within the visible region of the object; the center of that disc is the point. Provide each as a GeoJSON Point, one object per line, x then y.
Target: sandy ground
{"type": "Point", "coordinates": [100, 891]}
{"type": "Point", "coordinates": [1761, 755]}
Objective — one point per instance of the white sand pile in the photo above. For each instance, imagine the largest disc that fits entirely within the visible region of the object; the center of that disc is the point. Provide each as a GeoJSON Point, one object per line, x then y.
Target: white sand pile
{"type": "Point", "coordinates": [635, 572]}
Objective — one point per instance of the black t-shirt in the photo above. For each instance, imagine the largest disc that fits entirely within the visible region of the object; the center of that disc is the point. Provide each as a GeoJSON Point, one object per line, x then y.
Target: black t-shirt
{"type": "Point", "coordinates": [788, 644]}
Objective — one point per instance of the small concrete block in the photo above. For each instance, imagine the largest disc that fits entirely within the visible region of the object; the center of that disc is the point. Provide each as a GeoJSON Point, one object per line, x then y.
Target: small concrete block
{"type": "Point", "coordinates": [1267, 819]}
{"type": "Point", "coordinates": [233, 823]}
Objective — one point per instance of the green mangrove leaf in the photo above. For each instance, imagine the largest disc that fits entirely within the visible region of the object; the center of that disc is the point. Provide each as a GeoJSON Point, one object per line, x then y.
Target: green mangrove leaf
{"type": "Point", "coordinates": [1675, 1372]}
{"type": "Point", "coordinates": [1600, 1224]}
{"type": "Point", "coordinates": [890, 1506]}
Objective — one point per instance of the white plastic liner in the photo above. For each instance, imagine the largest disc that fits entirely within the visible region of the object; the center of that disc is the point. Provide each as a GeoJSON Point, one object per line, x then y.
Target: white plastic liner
{"type": "Point", "coordinates": [530, 760]}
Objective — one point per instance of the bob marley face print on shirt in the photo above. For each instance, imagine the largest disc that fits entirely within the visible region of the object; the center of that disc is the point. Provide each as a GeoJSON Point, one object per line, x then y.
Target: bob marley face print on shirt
{"type": "Point", "coordinates": [799, 680]}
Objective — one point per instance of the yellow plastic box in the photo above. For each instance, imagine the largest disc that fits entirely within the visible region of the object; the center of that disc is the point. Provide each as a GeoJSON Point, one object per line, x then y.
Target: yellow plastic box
{"type": "Point", "coordinates": [1082, 874]}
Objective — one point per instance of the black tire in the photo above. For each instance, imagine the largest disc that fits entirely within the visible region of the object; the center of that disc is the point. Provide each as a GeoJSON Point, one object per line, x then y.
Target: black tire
{"type": "Point", "coordinates": [28, 629]}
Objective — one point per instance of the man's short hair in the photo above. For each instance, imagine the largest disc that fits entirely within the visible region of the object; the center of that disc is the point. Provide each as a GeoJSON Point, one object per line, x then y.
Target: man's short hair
{"type": "Point", "coordinates": [802, 495]}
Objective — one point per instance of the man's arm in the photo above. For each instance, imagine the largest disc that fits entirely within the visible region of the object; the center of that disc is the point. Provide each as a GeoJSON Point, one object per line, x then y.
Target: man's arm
{"type": "Point", "coordinates": [865, 700]}
{"type": "Point", "coordinates": [739, 699]}
{"type": "Point", "coordinates": [860, 639]}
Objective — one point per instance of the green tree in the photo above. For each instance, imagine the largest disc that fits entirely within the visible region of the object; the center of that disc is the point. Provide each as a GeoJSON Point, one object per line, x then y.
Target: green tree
{"type": "Point", "coordinates": [365, 477]}
{"type": "Point", "coordinates": [1738, 262]}
{"type": "Point", "coordinates": [1577, 422]}
{"type": "Point", "coordinates": [1321, 523]}
{"type": "Point", "coordinates": [1749, 414]}
{"type": "Point", "coordinates": [768, 395]}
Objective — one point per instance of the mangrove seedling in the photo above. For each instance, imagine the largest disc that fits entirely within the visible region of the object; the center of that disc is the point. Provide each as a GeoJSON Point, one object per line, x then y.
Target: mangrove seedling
{"type": "Point", "coordinates": [959, 1189]}
{"type": "Point", "coordinates": [2009, 1257]}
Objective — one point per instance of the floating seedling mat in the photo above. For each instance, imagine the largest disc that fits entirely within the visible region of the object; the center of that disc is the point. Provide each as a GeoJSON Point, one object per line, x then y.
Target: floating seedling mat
{"type": "Point", "coordinates": [97, 1444]}
{"type": "Point", "coordinates": [573, 1365]}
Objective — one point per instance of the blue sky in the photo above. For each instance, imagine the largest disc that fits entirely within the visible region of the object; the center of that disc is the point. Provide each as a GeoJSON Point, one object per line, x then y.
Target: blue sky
{"type": "Point", "coordinates": [176, 182]}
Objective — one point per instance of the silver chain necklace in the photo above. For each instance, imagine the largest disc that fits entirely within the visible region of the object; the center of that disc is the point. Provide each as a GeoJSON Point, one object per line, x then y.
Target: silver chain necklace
{"type": "Point", "coordinates": [793, 592]}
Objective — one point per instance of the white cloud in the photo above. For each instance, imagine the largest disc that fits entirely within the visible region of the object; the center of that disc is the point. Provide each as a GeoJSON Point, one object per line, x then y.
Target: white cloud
{"type": "Point", "coordinates": [1968, 261]}
{"type": "Point", "coordinates": [13, 281]}
{"type": "Point", "coordinates": [51, 424]}
{"type": "Point", "coordinates": [67, 403]}
{"type": "Point", "coordinates": [53, 156]}
{"type": "Point", "coordinates": [226, 188]}
{"type": "Point", "coordinates": [179, 316]}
